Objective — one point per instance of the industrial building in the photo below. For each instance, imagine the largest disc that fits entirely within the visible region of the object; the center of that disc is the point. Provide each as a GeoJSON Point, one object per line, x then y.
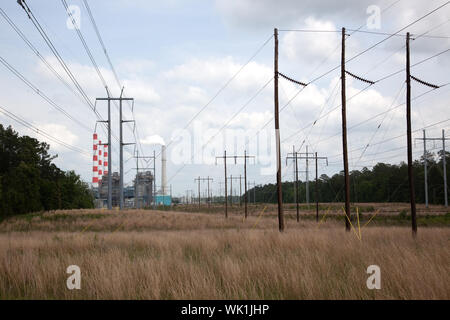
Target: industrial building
{"type": "Point", "coordinates": [142, 193]}
{"type": "Point", "coordinates": [143, 187]}
{"type": "Point", "coordinates": [139, 195]}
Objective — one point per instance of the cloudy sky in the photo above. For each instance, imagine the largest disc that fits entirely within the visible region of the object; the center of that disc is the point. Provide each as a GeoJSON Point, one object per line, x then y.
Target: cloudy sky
{"type": "Point", "coordinates": [201, 74]}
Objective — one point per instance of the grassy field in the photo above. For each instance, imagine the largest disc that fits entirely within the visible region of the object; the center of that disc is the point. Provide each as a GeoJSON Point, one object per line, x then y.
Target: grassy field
{"type": "Point", "coordinates": [190, 255]}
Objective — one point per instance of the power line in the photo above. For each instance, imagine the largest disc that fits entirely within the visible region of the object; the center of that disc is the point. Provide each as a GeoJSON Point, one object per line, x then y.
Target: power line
{"type": "Point", "coordinates": [105, 51]}
{"type": "Point", "coordinates": [224, 86]}
{"type": "Point", "coordinates": [379, 42]}
{"type": "Point", "coordinates": [41, 94]}
{"type": "Point", "coordinates": [55, 52]}
{"type": "Point", "coordinates": [83, 41]}
{"type": "Point", "coordinates": [40, 56]}
{"type": "Point", "coordinates": [390, 36]}
{"type": "Point", "coordinates": [39, 131]}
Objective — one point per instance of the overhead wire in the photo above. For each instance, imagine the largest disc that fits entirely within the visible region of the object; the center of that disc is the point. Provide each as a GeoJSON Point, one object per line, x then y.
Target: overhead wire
{"type": "Point", "coordinates": [39, 131]}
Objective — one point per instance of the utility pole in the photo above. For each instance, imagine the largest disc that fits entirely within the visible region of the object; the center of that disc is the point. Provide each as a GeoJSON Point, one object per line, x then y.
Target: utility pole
{"type": "Point", "coordinates": [209, 195]}
{"type": "Point", "coordinates": [240, 190]}
{"type": "Point", "coordinates": [443, 164]}
{"type": "Point", "coordinates": [408, 125]}
{"type": "Point", "coordinates": [122, 144]}
{"type": "Point", "coordinates": [445, 169]}
{"type": "Point", "coordinates": [109, 99]}
{"type": "Point", "coordinates": [225, 166]}
{"type": "Point", "coordinates": [307, 178]}
{"type": "Point", "coordinates": [231, 191]}
{"type": "Point", "coordinates": [296, 184]}
{"type": "Point", "coordinates": [252, 184]}
{"type": "Point", "coordinates": [277, 137]}
{"type": "Point", "coordinates": [245, 184]}
{"type": "Point", "coordinates": [317, 185]}
{"type": "Point", "coordinates": [203, 179]}
{"type": "Point", "coordinates": [198, 179]}
{"type": "Point", "coordinates": [109, 150]}
{"type": "Point", "coordinates": [425, 166]}
{"type": "Point", "coordinates": [231, 178]}
{"type": "Point", "coordinates": [120, 99]}
{"type": "Point", "coordinates": [154, 181]}
{"type": "Point", "coordinates": [136, 182]}
{"type": "Point", "coordinates": [344, 137]}
{"type": "Point", "coordinates": [235, 157]}
{"type": "Point", "coordinates": [294, 157]}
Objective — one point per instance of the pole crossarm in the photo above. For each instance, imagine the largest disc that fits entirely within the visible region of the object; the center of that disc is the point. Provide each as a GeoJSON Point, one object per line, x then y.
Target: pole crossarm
{"type": "Point", "coordinates": [359, 78]}
{"type": "Point", "coordinates": [425, 83]}
{"type": "Point", "coordinates": [235, 157]}
{"type": "Point", "coordinates": [113, 99]}
{"type": "Point", "coordinates": [292, 80]}
{"type": "Point", "coordinates": [303, 157]}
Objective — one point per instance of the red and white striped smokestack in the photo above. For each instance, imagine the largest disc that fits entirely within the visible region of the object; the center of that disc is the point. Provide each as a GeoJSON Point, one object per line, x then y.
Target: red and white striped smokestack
{"type": "Point", "coordinates": [105, 161]}
{"type": "Point", "coordinates": [100, 162]}
{"type": "Point", "coordinates": [95, 162]}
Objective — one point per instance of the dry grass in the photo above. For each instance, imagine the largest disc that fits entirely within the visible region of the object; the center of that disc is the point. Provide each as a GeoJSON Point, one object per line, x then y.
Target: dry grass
{"type": "Point", "coordinates": [173, 255]}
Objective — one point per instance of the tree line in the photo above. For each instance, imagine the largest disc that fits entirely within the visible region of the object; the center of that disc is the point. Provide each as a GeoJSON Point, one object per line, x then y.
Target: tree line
{"type": "Point", "coordinates": [383, 183]}
{"type": "Point", "coordinates": [30, 181]}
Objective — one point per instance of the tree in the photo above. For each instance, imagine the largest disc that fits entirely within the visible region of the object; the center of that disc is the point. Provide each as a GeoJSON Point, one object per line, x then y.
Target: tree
{"type": "Point", "coordinates": [29, 181]}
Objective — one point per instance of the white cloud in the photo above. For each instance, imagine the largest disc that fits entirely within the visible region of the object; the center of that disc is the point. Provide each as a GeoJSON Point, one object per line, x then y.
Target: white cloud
{"type": "Point", "coordinates": [310, 46]}
{"type": "Point", "coordinates": [215, 72]}
{"type": "Point", "coordinates": [60, 132]}
{"type": "Point", "coordinates": [154, 139]}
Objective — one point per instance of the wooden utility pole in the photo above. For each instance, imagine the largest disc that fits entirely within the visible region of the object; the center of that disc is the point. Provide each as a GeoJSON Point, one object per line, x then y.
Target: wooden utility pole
{"type": "Point", "coordinates": [296, 187]}
{"type": "Point", "coordinates": [226, 191]}
{"type": "Point", "coordinates": [317, 185]}
{"type": "Point", "coordinates": [277, 137]}
{"type": "Point", "coordinates": [443, 163]}
{"type": "Point", "coordinates": [203, 179]}
{"type": "Point", "coordinates": [344, 136]}
{"type": "Point", "coordinates": [235, 157]}
{"type": "Point", "coordinates": [209, 195]}
{"type": "Point", "coordinates": [294, 156]}
{"type": "Point", "coordinates": [445, 168]}
{"type": "Point", "coordinates": [306, 155]}
{"type": "Point", "coordinates": [412, 195]}
{"type": "Point", "coordinates": [253, 184]}
{"type": "Point", "coordinates": [231, 191]}
{"type": "Point", "coordinates": [231, 184]}
{"type": "Point", "coordinates": [425, 165]}
{"type": "Point", "coordinates": [198, 179]}
{"type": "Point", "coordinates": [245, 183]}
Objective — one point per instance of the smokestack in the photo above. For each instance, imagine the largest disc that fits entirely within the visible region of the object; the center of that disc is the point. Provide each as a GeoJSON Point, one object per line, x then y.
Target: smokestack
{"type": "Point", "coordinates": [95, 162]}
{"type": "Point", "coordinates": [163, 170]}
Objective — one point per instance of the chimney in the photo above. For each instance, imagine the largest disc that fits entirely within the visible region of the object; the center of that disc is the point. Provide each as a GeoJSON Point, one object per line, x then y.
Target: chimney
{"type": "Point", "coordinates": [163, 170]}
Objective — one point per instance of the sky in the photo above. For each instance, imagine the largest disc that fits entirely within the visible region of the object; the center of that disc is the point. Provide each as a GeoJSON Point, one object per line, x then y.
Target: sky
{"type": "Point", "coordinates": [201, 75]}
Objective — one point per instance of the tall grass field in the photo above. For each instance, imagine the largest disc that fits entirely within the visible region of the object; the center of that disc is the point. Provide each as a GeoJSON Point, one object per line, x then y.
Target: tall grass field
{"type": "Point", "coordinates": [159, 254]}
